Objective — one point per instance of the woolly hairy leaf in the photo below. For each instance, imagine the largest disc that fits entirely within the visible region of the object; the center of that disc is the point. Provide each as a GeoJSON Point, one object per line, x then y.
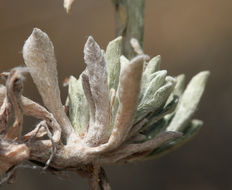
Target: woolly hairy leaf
{"type": "Point", "coordinates": [78, 106]}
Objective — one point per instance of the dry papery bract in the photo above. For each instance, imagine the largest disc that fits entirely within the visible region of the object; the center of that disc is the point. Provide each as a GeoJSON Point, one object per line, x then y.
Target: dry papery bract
{"type": "Point", "coordinates": [119, 111]}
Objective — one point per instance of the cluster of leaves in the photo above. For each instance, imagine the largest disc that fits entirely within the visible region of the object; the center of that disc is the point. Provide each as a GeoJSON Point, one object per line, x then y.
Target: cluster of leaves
{"type": "Point", "coordinates": [162, 102]}
{"type": "Point", "coordinates": [120, 110]}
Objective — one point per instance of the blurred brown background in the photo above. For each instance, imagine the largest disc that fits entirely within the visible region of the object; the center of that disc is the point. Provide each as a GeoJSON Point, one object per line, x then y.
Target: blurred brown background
{"type": "Point", "coordinates": [189, 35]}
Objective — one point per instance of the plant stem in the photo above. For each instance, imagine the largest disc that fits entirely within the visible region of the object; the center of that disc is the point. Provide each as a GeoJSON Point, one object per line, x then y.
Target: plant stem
{"type": "Point", "coordinates": [129, 19]}
{"type": "Point", "coordinates": [97, 179]}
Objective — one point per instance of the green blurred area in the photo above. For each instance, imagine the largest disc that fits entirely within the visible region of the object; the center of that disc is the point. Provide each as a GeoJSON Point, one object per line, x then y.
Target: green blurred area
{"type": "Point", "coordinates": [189, 35]}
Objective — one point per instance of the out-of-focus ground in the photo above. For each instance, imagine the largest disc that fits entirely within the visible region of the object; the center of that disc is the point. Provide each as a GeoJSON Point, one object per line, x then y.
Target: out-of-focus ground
{"type": "Point", "coordinates": [189, 35]}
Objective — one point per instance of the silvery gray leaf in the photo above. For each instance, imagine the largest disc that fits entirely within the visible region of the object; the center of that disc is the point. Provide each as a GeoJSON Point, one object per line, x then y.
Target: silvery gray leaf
{"type": "Point", "coordinates": [154, 85]}
{"type": "Point", "coordinates": [189, 102]}
{"type": "Point", "coordinates": [156, 116]}
{"type": "Point", "coordinates": [39, 56]}
{"type": "Point", "coordinates": [113, 53]}
{"type": "Point", "coordinates": [152, 67]}
{"type": "Point", "coordinates": [158, 99]}
{"type": "Point", "coordinates": [78, 106]}
{"type": "Point", "coordinates": [179, 88]}
{"type": "Point", "coordinates": [97, 75]}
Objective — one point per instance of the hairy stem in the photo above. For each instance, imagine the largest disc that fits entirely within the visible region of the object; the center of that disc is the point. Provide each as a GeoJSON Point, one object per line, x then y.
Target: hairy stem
{"type": "Point", "coordinates": [129, 19]}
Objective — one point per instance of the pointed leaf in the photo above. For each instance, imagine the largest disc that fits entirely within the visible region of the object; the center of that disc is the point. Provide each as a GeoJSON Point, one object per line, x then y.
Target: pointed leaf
{"type": "Point", "coordinates": [150, 72]}
{"type": "Point", "coordinates": [189, 102]}
{"type": "Point", "coordinates": [39, 56]}
{"type": "Point", "coordinates": [128, 91]}
{"type": "Point", "coordinates": [154, 85]}
{"type": "Point", "coordinates": [129, 87]}
{"type": "Point", "coordinates": [78, 106]}
{"type": "Point", "coordinates": [97, 74]}
{"type": "Point", "coordinates": [113, 53]}
{"type": "Point", "coordinates": [153, 65]}
{"type": "Point", "coordinates": [159, 99]}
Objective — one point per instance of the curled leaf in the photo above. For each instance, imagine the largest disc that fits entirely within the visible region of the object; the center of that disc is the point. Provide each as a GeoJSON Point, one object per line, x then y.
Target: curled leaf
{"type": "Point", "coordinates": [128, 91]}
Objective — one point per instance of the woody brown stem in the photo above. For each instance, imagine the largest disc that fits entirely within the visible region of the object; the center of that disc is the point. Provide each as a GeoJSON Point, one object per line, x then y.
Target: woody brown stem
{"type": "Point", "coordinates": [98, 179]}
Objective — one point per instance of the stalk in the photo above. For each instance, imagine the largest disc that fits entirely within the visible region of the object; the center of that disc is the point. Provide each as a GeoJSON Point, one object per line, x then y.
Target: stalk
{"type": "Point", "coordinates": [129, 20]}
